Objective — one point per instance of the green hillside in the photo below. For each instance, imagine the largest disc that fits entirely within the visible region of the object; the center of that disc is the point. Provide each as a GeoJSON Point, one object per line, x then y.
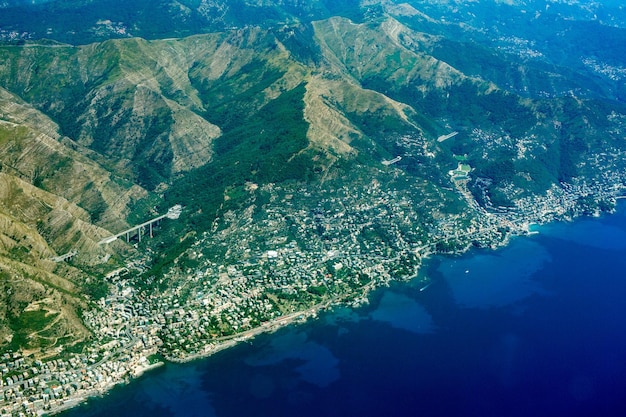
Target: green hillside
{"type": "Point", "coordinates": [339, 135]}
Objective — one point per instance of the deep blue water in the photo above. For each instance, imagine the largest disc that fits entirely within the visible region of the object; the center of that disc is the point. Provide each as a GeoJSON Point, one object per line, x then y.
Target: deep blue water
{"type": "Point", "coordinates": [534, 329]}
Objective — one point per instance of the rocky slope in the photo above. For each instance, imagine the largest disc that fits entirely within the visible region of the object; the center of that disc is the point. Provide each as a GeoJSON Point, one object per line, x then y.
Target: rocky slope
{"type": "Point", "coordinates": [53, 200]}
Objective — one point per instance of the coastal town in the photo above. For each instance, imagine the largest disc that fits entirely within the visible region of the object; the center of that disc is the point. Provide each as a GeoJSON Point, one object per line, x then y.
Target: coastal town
{"type": "Point", "coordinates": [288, 254]}
{"type": "Point", "coordinates": [310, 154]}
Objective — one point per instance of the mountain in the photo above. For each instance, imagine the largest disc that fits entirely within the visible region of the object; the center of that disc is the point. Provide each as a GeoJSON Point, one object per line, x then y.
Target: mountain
{"type": "Point", "coordinates": [239, 110]}
{"type": "Point", "coordinates": [54, 200]}
{"type": "Point", "coordinates": [81, 21]}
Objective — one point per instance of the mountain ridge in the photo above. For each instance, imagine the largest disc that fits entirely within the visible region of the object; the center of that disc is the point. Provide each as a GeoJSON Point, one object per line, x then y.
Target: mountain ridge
{"type": "Point", "coordinates": [102, 136]}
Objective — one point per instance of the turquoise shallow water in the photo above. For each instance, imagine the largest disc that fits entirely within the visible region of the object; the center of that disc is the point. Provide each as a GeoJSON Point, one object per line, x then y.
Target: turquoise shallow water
{"type": "Point", "coordinates": [534, 329]}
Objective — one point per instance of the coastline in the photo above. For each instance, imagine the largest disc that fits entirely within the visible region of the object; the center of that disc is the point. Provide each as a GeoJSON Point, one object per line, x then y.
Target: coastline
{"type": "Point", "coordinates": [137, 369]}
{"type": "Point", "coordinates": [83, 397]}
{"type": "Point", "coordinates": [210, 349]}
{"type": "Point", "coordinates": [80, 398]}
{"type": "Point", "coordinates": [269, 327]}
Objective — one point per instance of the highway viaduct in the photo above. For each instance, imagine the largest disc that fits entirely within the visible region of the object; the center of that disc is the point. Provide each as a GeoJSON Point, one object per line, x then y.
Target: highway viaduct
{"type": "Point", "coordinates": [173, 213]}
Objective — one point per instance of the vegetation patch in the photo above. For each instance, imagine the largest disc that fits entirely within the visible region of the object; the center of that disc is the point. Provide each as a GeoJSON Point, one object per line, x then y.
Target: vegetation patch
{"type": "Point", "coordinates": [26, 327]}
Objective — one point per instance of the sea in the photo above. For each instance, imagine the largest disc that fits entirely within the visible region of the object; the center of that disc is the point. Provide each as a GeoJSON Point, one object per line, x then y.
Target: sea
{"type": "Point", "coordinates": [537, 328]}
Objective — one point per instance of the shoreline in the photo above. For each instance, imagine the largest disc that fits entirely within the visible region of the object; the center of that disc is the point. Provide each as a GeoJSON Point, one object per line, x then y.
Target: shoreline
{"type": "Point", "coordinates": [84, 397]}
{"type": "Point", "coordinates": [268, 327]}
{"type": "Point", "coordinates": [212, 347]}
{"type": "Point", "coordinates": [294, 318]}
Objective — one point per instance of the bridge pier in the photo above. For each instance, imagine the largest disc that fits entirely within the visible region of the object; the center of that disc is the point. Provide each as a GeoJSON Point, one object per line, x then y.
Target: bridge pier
{"type": "Point", "coordinates": [65, 257]}
{"type": "Point", "coordinates": [173, 213]}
